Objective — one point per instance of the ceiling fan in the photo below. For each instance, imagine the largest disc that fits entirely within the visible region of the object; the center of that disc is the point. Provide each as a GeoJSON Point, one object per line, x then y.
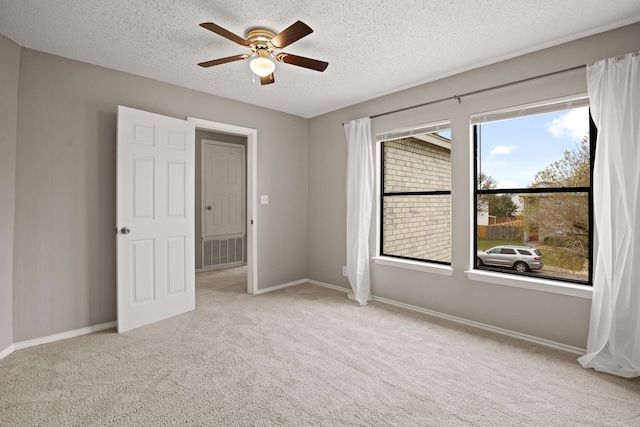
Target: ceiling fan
{"type": "Point", "coordinates": [265, 46]}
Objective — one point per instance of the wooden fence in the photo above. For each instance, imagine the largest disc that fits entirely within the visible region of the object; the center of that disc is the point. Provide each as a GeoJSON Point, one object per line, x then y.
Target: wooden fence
{"type": "Point", "coordinates": [498, 232]}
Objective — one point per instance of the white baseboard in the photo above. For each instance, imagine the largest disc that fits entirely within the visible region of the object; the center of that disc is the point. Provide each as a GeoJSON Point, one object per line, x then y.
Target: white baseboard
{"type": "Point", "coordinates": [110, 325]}
{"type": "Point", "coordinates": [330, 286]}
{"type": "Point", "coordinates": [7, 351]}
{"type": "Point", "coordinates": [282, 286]}
{"type": "Point", "coordinates": [65, 335]}
{"type": "Point", "coordinates": [501, 331]}
{"type": "Point", "coordinates": [221, 267]}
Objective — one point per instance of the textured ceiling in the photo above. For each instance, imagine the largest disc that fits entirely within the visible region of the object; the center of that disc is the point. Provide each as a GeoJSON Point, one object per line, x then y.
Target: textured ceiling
{"type": "Point", "coordinates": [373, 47]}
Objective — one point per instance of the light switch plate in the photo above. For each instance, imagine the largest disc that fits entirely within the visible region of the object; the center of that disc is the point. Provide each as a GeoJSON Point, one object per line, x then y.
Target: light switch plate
{"type": "Point", "coordinates": [264, 200]}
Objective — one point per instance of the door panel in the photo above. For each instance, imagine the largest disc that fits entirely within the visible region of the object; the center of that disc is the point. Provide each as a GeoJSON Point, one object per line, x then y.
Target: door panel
{"type": "Point", "coordinates": [223, 188]}
{"type": "Point", "coordinates": [143, 185]}
{"type": "Point", "coordinates": [233, 215]}
{"type": "Point", "coordinates": [142, 262]}
{"type": "Point", "coordinates": [176, 268]}
{"type": "Point", "coordinates": [176, 184]}
{"type": "Point", "coordinates": [155, 217]}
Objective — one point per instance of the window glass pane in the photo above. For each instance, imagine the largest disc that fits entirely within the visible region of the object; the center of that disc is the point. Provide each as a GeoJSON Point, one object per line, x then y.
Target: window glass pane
{"type": "Point", "coordinates": [418, 163]}
{"type": "Point", "coordinates": [540, 151]}
{"type": "Point", "coordinates": [552, 225]}
{"type": "Point", "coordinates": [417, 227]}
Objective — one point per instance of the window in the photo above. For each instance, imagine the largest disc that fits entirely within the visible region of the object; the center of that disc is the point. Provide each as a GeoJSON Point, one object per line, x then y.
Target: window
{"type": "Point", "coordinates": [416, 193]}
{"type": "Point", "coordinates": [533, 193]}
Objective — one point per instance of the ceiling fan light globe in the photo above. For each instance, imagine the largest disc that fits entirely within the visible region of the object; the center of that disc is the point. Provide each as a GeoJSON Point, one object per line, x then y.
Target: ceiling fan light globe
{"type": "Point", "coordinates": [262, 66]}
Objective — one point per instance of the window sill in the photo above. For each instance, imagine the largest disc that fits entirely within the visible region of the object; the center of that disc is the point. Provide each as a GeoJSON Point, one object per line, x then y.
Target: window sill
{"type": "Point", "coordinates": [444, 270]}
{"type": "Point", "coordinates": [542, 285]}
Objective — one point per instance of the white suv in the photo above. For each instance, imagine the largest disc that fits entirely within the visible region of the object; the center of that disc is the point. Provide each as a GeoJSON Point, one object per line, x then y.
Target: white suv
{"type": "Point", "coordinates": [521, 258]}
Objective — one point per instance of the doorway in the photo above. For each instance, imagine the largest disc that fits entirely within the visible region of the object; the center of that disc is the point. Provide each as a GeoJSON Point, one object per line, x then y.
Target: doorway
{"type": "Point", "coordinates": [221, 220]}
{"type": "Point", "coordinates": [251, 187]}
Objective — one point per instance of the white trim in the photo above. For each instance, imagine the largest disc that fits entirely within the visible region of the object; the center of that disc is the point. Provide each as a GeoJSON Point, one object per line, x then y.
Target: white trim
{"type": "Point", "coordinates": [445, 270]}
{"type": "Point", "coordinates": [220, 267]}
{"type": "Point", "coordinates": [282, 286]}
{"type": "Point", "coordinates": [330, 286]}
{"type": "Point", "coordinates": [501, 331]}
{"type": "Point", "coordinates": [65, 335]}
{"type": "Point", "coordinates": [543, 285]}
{"type": "Point", "coordinates": [252, 186]}
{"type": "Point", "coordinates": [531, 283]}
{"type": "Point", "coordinates": [7, 351]}
{"type": "Point", "coordinates": [529, 338]}
{"type": "Point", "coordinates": [348, 291]}
{"type": "Point", "coordinates": [378, 196]}
{"type": "Point", "coordinates": [425, 266]}
{"type": "Point", "coordinates": [391, 134]}
{"type": "Point", "coordinates": [539, 107]}
{"type": "Point", "coordinates": [302, 282]}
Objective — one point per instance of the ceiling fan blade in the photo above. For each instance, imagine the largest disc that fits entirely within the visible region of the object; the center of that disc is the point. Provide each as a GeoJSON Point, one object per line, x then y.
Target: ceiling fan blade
{"type": "Point", "coordinates": [294, 33]}
{"type": "Point", "coordinates": [219, 61]}
{"type": "Point", "coordinates": [301, 61]}
{"type": "Point", "coordinates": [267, 80]}
{"type": "Point", "coordinates": [225, 33]}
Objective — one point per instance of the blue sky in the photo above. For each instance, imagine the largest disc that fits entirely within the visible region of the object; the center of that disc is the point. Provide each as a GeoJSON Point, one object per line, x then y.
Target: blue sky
{"type": "Point", "coordinates": [514, 150]}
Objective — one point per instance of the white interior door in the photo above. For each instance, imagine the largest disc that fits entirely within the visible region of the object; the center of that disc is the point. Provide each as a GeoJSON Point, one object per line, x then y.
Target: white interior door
{"type": "Point", "coordinates": [223, 188]}
{"type": "Point", "coordinates": [155, 217]}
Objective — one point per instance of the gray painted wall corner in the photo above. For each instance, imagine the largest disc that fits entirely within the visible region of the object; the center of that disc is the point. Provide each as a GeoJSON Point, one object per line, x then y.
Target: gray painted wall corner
{"type": "Point", "coordinates": [559, 318]}
{"type": "Point", "coordinates": [64, 252]}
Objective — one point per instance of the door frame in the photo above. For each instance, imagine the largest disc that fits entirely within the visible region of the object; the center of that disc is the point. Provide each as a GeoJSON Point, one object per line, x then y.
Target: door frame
{"type": "Point", "coordinates": [252, 185]}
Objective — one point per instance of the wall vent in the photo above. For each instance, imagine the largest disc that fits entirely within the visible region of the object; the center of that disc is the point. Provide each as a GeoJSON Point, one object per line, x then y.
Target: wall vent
{"type": "Point", "coordinates": [223, 252]}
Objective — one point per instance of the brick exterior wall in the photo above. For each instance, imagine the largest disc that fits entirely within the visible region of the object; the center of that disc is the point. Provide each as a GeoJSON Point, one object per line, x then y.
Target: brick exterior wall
{"type": "Point", "coordinates": [417, 226]}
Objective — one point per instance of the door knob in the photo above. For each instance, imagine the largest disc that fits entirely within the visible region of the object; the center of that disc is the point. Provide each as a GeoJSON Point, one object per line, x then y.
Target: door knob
{"type": "Point", "coordinates": [208, 208]}
{"type": "Point", "coordinates": [125, 230]}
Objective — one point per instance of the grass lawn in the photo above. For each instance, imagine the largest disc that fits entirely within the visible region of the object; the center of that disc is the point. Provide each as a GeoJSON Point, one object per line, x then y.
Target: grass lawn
{"type": "Point", "coordinates": [561, 257]}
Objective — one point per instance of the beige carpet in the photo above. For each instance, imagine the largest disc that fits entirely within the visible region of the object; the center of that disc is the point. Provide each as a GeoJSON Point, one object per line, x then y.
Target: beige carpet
{"type": "Point", "coordinates": [305, 355]}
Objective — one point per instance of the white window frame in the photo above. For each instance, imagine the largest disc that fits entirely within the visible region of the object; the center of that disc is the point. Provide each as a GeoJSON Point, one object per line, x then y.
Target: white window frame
{"type": "Point", "coordinates": [423, 266]}
{"type": "Point", "coordinates": [506, 279]}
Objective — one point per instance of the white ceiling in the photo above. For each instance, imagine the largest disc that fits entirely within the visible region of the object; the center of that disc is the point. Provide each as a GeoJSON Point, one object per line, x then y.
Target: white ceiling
{"type": "Point", "coordinates": [373, 47]}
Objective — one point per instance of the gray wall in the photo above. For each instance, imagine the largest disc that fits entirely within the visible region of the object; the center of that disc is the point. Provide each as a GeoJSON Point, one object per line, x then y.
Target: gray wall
{"type": "Point", "coordinates": [64, 252]}
{"type": "Point", "coordinates": [211, 136]}
{"type": "Point", "coordinates": [559, 318]}
{"type": "Point", "coordinates": [9, 68]}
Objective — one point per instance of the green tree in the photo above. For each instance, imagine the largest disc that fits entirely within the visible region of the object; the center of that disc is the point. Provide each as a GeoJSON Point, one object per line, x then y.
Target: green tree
{"type": "Point", "coordinates": [573, 170]}
{"type": "Point", "coordinates": [500, 206]}
{"type": "Point", "coordinates": [485, 182]}
{"type": "Point", "coordinates": [563, 218]}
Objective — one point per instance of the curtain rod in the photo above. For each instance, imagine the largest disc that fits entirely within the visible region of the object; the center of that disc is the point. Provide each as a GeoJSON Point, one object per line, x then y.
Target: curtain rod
{"type": "Point", "coordinates": [475, 92]}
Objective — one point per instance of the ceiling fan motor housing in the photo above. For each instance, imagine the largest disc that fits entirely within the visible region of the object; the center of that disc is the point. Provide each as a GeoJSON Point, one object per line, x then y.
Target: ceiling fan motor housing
{"type": "Point", "coordinates": [260, 38]}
